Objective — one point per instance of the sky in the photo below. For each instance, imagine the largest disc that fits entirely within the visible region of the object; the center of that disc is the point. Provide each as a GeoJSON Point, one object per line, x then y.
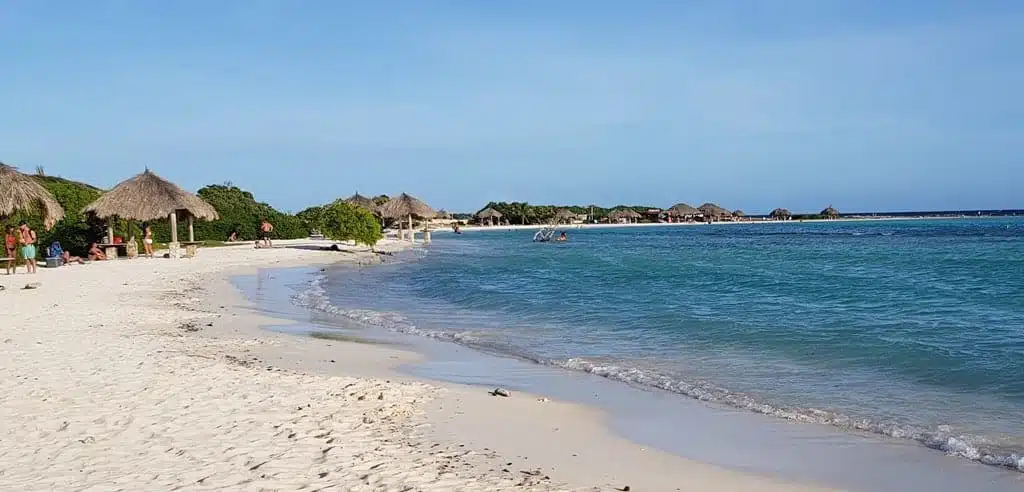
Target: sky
{"type": "Point", "coordinates": [865, 105]}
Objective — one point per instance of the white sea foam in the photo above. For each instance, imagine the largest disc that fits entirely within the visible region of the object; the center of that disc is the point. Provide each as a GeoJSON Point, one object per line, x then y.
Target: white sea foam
{"type": "Point", "coordinates": [940, 438]}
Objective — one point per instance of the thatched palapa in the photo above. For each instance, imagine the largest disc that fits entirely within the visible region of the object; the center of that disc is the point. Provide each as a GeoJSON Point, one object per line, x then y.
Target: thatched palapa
{"type": "Point", "coordinates": [19, 192]}
{"type": "Point", "coordinates": [148, 197]}
{"type": "Point", "coordinates": [712, 211]}
{"type": "Point", "coordinates": [362, 201]}
{"type": "Point", "coordinates": [738, 213]}
{"type": "Point", "coordinates": [489, 214]}
{"type": "Point", "coordinates": [830, 213]}
{"type": "Point", "coordinates": [406, 207]}
{"type": "Point", "coordinates": [624, 214]}
{"type": "Point", "coordinates": [780, 213]}
{"type": "Point", "coordinates": [564, 214]}
{"type": "Point", "coordinates": [682, 210]}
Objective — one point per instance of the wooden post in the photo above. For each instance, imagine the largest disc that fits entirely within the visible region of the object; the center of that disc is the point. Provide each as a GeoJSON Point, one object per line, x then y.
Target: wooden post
{"type": "Point", "coordinates": [110, 231]}
{"type": "Point", "coordinates": [174, 227]}
{"type": "Point", "coordinates": [191, 231]}
{"type": "Point", "coordinates": [412, 236]}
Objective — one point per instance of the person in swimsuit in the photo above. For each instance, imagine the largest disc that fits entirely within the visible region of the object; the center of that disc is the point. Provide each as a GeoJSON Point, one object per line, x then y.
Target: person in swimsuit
{"type": "Point", "coordinates": [266, 230]}
{"type": "Point", "coordinates": [68, 259]}
{"type": "Point", "coordinates": [11, 250]}
{"type": "Point", "coordinates": [95, 253]}
{"type": "Point", "coordinates": [27, 238]}
{"type": "Point", "coordinates": [147, 240]}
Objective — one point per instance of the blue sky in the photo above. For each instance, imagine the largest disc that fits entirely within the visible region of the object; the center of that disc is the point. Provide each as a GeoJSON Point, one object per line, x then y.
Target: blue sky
{"type": "Point", "coordinates": [865, 105]}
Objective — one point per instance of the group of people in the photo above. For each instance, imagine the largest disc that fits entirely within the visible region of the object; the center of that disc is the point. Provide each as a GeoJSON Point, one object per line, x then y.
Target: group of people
{"type": "Point", "coordinates": [21, 242]}
{"type": "Point", "coordinates": [264, 238]}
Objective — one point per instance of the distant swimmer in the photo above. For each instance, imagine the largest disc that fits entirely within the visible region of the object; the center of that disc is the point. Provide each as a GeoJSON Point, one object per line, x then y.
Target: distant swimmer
{"type": "Point", "coordinates": [562, 237]}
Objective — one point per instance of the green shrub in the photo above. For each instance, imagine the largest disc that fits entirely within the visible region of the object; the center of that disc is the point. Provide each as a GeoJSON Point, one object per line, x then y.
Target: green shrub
{"type": "Point", "coordinates": [343, 222]}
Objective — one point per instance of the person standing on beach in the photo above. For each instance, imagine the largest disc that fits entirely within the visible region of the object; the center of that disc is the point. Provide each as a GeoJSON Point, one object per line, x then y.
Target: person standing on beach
{"type": "Point", "coordinates": [147, 239]}
{"type": "Point", "coordinates": [266, 229]}
{"type": "Point", "coordinates": [27, 238]}
{"type": "Point", "coordinates": [11, 250]}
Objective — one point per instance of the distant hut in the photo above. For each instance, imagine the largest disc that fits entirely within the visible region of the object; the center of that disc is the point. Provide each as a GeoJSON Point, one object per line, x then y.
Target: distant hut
{"type": "Point", "coordinates": [443, 214]}
{"type": "Point", "coordinates": [682, 211]}
{"type": "Point", "coordinates": [830, 213]}
{"type": "Point", "coordinates": [406, 207]}
{"type": "Point", "coordinates": [627, 215]}
{"type": "Point", "coordinates": [712, 212]}
{"type": "Point", "coordinates": [738, 214]}
{"type": "Point", "coordinates": [780, 214]}
{"type": "Point", "coordinates": [362, 201]}
{"type": "Point", "coordinates": [490, 215]}
{"type": "Point", "coordinates": [19, 192]}
{"type": "Point", "coordinates": [564, 215]}
{"type": "Point", "coordinates": [147, 197]}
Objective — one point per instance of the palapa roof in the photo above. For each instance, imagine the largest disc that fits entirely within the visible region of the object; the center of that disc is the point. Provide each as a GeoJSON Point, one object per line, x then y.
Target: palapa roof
{"type": "Point", "coordinates": [443, 214]}
{"type": "Point", "coordinates": [565, 214]}
{"type": "Point", "coordinates": [830, 212]}
{"type": "Point", "coordinates": [362, 201]}
{"type": "Point", "coordinates": [405, 205]}
{"type": "Point", "coordinates": [780, 212]}
{"type": "Point", "coordinates": [738, 213]}
{"type": "Point", "coordinates": [682, 210]}
{"type": "Point", "coordinates": [149, 197]}
{"type": "Point", "coordinates": [712, 210]}
{"type": "Point", "coordinates": [624, 213]}
{"type": "Point", "coordinates": [21, 192]}
{"type": "Point", "coordinates": [489, 213]}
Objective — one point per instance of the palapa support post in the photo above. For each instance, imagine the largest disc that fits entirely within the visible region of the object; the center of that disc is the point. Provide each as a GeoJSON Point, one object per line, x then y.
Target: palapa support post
{"type": "Point", "coordinates": [412, 233]}
{"type": "Point", "coordinates": [191, 230]}
{"type": "Point", "coordinates": [173, 248]}
{"type": "Point", "coordinates": [110, 251]}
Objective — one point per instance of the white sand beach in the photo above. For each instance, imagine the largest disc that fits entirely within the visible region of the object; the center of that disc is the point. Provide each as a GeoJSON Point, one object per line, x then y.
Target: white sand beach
{"type": "Point", "coordinates": [156, 375]}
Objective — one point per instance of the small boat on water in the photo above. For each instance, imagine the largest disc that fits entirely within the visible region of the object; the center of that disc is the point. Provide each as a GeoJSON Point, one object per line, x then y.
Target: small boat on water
{"type": "Point", "coordinates": [544, 235]}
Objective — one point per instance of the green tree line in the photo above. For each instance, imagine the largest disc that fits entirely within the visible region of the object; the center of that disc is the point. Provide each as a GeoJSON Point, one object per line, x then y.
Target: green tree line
{"type": "Point", "coordinates": [524, 213]}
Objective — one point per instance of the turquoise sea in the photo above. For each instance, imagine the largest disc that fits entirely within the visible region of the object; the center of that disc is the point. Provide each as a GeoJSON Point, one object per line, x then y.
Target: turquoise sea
{"type": "Point", "coordinates": [909, 329]}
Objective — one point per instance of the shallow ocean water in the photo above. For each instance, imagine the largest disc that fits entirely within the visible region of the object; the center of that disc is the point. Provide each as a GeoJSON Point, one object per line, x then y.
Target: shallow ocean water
{"type": "Point", "coordinates": [907, 329]}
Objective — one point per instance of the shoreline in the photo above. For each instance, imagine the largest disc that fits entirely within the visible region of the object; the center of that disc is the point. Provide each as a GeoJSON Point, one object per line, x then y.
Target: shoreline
{"type": "Point", "coordinates": [642, 417]}
{"type": "Point", "coordinates": [158, 374]}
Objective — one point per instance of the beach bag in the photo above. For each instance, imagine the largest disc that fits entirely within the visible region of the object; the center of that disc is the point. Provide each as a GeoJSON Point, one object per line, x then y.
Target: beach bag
{"type": "Point", "coordinates": [56, 250]}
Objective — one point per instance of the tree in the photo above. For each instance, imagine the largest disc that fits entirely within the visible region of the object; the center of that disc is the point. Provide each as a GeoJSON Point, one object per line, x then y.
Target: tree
{"type": "Point", "coordinates": [341, 221]}
{"type": "Point", "coordinates": [239, 212]}
{"type": "Point", "coordinates": [312, 217]}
